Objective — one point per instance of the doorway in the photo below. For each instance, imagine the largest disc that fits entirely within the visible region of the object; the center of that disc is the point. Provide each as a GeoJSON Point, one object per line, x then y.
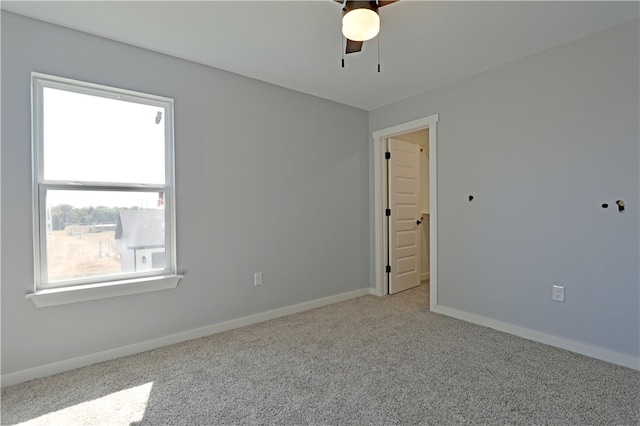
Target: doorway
{"type": "Point", "coordinates": [381, 193]}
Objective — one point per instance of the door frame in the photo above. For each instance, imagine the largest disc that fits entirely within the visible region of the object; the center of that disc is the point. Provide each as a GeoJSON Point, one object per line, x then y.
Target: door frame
{"type": "Point", "coordinates": [381, 195]}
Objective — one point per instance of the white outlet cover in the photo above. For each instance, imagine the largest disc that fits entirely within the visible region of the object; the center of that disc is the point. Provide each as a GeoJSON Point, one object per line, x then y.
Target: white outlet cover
{"type": "Point", "coordinates": [557, 293]}
{"type": "Point", "coordinates": [257, 278]}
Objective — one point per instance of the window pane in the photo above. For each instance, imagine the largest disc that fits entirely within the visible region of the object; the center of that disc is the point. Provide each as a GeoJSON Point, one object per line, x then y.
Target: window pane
{"type": "Point", "coordinates": [103, 233]}
{"type": "Point", "coordinates": [96, 139]}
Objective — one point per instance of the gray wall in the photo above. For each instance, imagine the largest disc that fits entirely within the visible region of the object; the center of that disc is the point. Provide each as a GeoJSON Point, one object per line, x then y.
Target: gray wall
{"type": "Point", "coordinates": [541, 143]}
{"type": "Point", "coordinates": [268, 180]}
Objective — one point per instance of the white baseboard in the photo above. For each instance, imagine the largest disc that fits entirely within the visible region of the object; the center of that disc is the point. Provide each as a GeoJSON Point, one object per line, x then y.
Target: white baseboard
{"type": "Point", "coordinates": [425, 276]}
{"type": "Point", "coordinates": [82, 361]}
{"type": "Point", "coordinates": [548, 339]}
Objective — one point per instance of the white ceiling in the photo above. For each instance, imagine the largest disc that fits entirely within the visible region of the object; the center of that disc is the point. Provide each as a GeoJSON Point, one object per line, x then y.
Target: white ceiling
{"type": "Point", "coordinates": [297, 44]}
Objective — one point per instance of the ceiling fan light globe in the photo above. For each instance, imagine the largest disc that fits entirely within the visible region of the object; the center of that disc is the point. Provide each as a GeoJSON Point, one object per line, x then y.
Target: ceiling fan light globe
{"type": "Point", "coordinates": [360, 24]}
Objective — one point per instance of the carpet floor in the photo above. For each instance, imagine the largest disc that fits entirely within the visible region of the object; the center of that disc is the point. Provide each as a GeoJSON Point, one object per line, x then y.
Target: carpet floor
{"type": "Point", "coordinates": [366, 361]}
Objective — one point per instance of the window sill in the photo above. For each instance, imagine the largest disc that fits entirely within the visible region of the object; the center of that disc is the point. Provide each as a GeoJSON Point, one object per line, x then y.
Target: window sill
{"type": "Point", "coordinates": [83, 293]}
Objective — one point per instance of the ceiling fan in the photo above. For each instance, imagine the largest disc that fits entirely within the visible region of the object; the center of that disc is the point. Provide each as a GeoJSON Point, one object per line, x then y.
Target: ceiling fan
{"type": "Point", "coordinates": [360, 21]}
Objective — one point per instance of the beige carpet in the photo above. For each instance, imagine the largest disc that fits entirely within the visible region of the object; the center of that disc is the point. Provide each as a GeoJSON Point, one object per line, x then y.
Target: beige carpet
{"type": "Point", "coordinates": [367, 361]}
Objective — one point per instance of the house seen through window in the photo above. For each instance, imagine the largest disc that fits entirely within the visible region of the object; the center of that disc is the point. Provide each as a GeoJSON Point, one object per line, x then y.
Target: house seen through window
{"type": "Point", "coordinates": [103, 183]}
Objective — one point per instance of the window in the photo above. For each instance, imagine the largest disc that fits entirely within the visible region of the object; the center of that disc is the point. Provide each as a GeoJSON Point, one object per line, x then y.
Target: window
{"type": "Point", "coordinates": [103, 190]}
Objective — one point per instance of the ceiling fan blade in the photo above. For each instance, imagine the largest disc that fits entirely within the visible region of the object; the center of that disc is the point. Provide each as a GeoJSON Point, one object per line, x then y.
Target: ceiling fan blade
{"type": "Point", "coordinates": [353, 46]}
{"type": "Point", "coordinates": [385, 2]}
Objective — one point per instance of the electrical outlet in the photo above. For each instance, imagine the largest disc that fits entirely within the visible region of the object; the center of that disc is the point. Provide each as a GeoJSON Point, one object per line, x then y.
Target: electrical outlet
{"type": "Point", "coordinates": [557, 293]}
{"type": "Point", "coordinates": [257, 278]}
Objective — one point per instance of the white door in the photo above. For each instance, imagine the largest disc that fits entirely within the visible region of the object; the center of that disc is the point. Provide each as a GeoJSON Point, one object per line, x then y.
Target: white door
{"type": "Point", "coordinates": [404, 222]}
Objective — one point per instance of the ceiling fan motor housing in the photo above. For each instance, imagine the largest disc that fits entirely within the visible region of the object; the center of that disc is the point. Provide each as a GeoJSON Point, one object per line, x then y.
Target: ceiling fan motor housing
{"type": "Point", "coordinates": [350, 5]}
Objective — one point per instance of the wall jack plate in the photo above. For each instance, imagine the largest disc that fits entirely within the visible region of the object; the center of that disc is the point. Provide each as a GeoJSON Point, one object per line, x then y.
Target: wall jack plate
{"type": "Point", "coordinates": [257, 278]}
{"type": "Point", "coordinates": [557, 293]}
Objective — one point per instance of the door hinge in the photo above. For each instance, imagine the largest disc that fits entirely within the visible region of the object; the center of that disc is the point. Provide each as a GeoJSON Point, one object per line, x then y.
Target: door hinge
{"type": "Point", "coordinates": [387, 212]}
{"type": "Point", "coordinates": [387, 155]}
{"type": "Point", "coordinates": [388, 269]}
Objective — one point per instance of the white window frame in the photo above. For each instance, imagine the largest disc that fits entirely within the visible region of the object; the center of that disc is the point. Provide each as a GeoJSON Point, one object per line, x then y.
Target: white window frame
{"type": "Point", "coordinates": [77, 290]}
